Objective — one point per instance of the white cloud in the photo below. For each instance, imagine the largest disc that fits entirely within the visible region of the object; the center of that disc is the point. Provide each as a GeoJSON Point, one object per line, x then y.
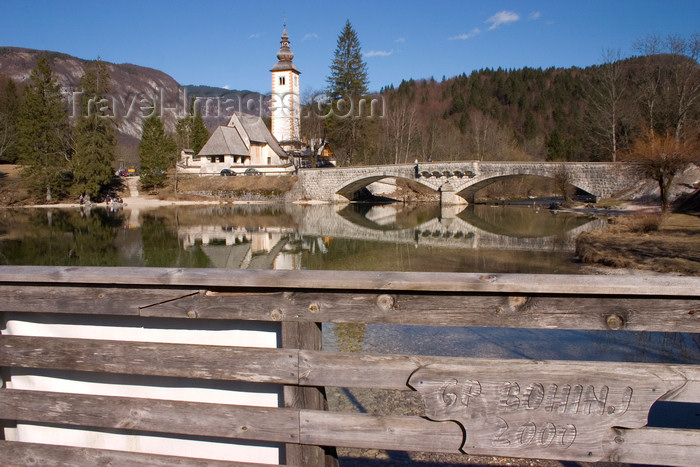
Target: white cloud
{"type": "Point", "coordinates": [535, 15]}
{"type": "Point", "coordinates": [400, 39]}
{"type": "Point", "coordinates": [226, 86]}
{"type": "Point", "coordinates": [502, 17]}
{"type": "Point", "coordinates": [466, 35]}
{"type": "Point", "coordinates": [310, 36]}
{"type": "Point", "coordinates": [379, 53]}
{"type": "Point", "coordinates": [254, 36]}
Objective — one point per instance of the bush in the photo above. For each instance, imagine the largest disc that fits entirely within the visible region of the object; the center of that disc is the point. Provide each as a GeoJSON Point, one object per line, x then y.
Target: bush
{"type": "Point", "coordinates": [640, 223]}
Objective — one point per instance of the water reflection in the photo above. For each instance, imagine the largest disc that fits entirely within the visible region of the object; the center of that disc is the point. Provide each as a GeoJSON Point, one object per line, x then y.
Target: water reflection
{"type": "Point", "coordinates": [420, 237]}
{"type": "Point", "coordinates": [423, 237]}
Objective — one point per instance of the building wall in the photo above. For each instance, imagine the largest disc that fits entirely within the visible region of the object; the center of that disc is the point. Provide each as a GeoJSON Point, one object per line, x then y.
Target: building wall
{"type": "Point", "coordinates": [285, 105]}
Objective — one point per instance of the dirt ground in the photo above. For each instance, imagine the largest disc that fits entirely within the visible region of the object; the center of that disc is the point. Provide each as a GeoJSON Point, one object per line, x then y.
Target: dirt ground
{"type": "Point", "coordinates": [673, 248]}
{"type": "Point", "coordinates": [12, 190]}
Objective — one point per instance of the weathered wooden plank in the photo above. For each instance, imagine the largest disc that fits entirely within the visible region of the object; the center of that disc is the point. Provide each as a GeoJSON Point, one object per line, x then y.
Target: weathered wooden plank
{"type": "Point", "coordinates": [641, 445]}
{"type": "Point", "coordinates": [306, 336]}
{"type": "Point", "coordinates": [681, 382]}
{"type": "Point", "coordinates": [46, 455]}
{"type": "Point", "coordinates": [436, 309]}
{"type": "Point", "coordinates": [658, 446]}
{"type": "Point", "coordinates": [539, 411]}
{"type": "Point", "coordinates": [164, 416]}
{"type": "Point", "coordinates": [366, 431]}
{"type": "Point", "coordinates": [493, 310]}
{"type": "Point", "coordinates": [100, 299]}
{"type": "Point", "coordinates": [159, 359]}
{"type": "Point", "coordinates": [357, 280]}
{"type": "Point", "coordinates": [317, 368]}
{"type": "Point", "coordinates": [356, 370]}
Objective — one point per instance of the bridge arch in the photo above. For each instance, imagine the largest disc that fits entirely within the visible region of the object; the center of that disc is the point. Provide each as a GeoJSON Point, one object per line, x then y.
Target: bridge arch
{"type": "Point", "coordinates": [351, 187]}
{"type": "Point", "coordinates": [469, 190]}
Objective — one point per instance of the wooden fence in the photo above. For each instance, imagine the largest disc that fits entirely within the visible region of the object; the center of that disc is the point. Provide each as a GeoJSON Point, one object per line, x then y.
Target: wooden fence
{"type": "Point", "coordinates": [567, 410]}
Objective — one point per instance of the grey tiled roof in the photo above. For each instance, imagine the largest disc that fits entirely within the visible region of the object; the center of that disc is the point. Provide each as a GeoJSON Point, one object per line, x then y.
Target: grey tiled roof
{"type": "Point", "coordinates": [284, 65]}
{"type": "Point", "coordinates": [227, 139]}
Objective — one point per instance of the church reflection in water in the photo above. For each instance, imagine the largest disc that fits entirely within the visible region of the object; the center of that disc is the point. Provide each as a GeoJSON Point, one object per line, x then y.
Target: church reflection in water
{"type": "Point", "coordinates": [401, 237]}
{"type": "Point", "coordinates": [285, 237]}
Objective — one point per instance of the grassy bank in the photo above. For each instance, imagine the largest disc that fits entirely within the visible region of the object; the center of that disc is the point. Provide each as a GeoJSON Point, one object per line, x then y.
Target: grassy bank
{"type": "Point", "coordinates": [245, 188]}
{"type": "Point", "coordinates": [668, 244]}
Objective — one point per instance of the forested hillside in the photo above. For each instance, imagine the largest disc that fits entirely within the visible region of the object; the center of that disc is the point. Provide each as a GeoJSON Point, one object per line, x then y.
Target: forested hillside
{"type": "Point", "coordinates": [590, 114]}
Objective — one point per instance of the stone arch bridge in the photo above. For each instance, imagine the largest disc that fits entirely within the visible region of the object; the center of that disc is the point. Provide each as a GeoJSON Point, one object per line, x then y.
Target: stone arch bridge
{"type": "Point", "coordinates": [457, 182]}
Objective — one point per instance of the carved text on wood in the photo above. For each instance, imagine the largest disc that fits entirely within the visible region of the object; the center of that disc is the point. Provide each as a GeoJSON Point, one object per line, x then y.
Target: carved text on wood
{"type": "Point", "coordinates": [547, 410]}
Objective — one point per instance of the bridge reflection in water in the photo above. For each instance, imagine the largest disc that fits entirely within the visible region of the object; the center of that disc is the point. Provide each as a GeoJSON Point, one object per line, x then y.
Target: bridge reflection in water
{"type": "Point", "coordinates": [287, 239]}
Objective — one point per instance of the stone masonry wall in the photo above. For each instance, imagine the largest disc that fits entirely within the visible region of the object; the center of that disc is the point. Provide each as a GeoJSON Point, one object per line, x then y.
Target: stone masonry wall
{"type": "Point", "coordinates": [336, 184]}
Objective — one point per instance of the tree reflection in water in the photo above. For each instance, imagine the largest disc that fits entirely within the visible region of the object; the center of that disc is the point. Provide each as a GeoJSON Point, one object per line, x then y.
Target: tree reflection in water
{"type": "Point", "coordinates": [402, 238]}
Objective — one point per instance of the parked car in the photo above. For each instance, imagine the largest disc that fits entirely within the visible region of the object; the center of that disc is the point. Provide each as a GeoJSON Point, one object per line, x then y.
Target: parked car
{"type": "Point", "coordinates": [252, 171]}
{"type": "Point", "coordinates": [227, 173]}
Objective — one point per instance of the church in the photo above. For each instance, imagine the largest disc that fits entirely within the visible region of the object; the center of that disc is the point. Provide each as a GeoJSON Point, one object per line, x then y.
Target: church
{"type": "Point", "coordinates": [245, 145]}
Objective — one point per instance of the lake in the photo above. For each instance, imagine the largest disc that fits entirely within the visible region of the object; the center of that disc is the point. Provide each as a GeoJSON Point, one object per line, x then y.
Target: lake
{"type": "Point", "coordinates": [418, 237]}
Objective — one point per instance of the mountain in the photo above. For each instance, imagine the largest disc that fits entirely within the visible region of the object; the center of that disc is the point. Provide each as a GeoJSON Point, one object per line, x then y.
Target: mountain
{"type": "Point", "coordinates": [136, 90]}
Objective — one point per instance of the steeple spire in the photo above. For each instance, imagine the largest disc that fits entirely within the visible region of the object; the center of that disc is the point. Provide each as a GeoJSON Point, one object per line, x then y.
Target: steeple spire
{"type": "Point", "coordinates": [285, 55]}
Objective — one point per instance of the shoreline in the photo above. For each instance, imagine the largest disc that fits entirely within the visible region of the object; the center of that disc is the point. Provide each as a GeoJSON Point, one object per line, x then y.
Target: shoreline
{"type": "Point", "coordinates": [152, 203]}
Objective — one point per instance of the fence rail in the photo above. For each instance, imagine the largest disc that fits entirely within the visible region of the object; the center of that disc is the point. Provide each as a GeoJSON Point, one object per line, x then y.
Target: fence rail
{"type": "Point", "coordinates": [567, 410]}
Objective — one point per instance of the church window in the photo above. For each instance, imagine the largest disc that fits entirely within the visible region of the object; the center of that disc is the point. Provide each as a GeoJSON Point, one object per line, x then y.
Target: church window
{"type": "Point", "coordinates": [281, 80]}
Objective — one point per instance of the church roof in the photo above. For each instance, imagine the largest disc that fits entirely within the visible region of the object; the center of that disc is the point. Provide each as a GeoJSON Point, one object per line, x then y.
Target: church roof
{"type": "Point", "coordinates": [285, 55]}
{"type": "Point", "coordinates": [235, 138]}
{"type": "Point", "coordinates": [225, 140]}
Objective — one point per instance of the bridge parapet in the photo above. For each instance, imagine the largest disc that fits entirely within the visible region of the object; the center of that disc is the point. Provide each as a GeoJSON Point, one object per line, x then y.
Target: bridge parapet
{"type": "Point", "coordinates": [458, 181]}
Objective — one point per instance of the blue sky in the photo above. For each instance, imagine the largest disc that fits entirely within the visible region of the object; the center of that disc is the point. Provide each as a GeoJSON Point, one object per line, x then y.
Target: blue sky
{"type": "Point", "coordinates": [233, 43]}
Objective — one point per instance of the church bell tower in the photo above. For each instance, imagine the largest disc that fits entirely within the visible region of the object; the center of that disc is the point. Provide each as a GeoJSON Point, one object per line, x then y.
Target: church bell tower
{"type": "Point", "coordinates": [285, 105]}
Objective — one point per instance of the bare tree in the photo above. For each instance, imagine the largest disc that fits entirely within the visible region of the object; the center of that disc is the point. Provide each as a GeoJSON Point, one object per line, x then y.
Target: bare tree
{"type": "Point", "coordinates": [562, 182]}
{"type": "Point", "coordinates": [661, 158]}
{"type": "Point", "coordinates": [649, 81]}
{"type": "Point", "coordinates": [401, 128]}
{"type": "Point", "coordinates": [313, 127]}
{"type": "Point", "coordinates": [685, 79]}
{"type": "Point", "coordinates": [607, 90]}
{"type": "Point", "coordinates": [670, 86]}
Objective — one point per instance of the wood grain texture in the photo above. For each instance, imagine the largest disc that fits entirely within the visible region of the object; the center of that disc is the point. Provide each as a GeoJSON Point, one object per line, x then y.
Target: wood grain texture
{"type": "Point", "coordinates": [317, 369]}
{"type": "Point", "coordinates": [367, 431]}
{"type": "Point", "coordinates": [163, 416]}
{"type": "Point", "coordinates": [357, 280]}
{"type": "Point", "coordinates": [306, 336]}
{"type": "Point", "coordinates": [551, 411]}
{"type": "Point", "coordinates": [434, 309]}
{"type": "Point", "coordinates": [658, 446]}
{"type": "Point", "coordinates": [158, 359]}
{"type": "Point", "coordinates": [87, 299]}
{"type": "Point", "coordinates": [680, 383]}
{"type": "Point", "coordinates": [15, 454]}
{"type": "Point", "coordinates": [515, 408]}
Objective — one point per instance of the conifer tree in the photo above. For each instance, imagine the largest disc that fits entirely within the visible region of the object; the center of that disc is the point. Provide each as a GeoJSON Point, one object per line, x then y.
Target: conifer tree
{"type": "Point", "coordinates": [191, 131]}
{"type": "Point", "coordinates": [95, 136]}
{"type": "Point", "coordinates": [156, 151]}
{"type": "Point", "coordinates": [9, 113]}
{"type": "Point", "coordinates": [200, 134]}
{"type": "Point", "coordinates": [347, 85]}
{"type": "Point", "coordinates": [348, 76]}
{"type": "Point", "coordinates": [44, 134]}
